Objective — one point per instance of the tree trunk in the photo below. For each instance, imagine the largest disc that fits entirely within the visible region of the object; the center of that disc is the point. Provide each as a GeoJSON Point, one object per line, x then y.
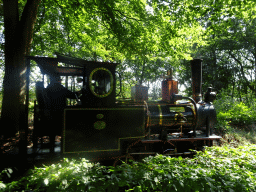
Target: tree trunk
{"type": "Point", "coordinates": [18, 39]}
{"type": "Point", "coordinates": [142, 72]}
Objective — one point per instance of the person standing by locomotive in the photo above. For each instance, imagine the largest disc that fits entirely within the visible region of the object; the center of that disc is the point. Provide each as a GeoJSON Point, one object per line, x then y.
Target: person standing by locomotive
{"type": "Point", "coordinates": [56, 95]}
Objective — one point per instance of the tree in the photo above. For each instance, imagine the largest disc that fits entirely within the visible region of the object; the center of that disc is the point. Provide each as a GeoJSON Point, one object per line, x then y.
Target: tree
{"type": "Point", "coordinates": [18, 28]}
{"type": "Point", "coordinates": [19, 21]}
{"type": "Point", "coordinates": [228, 53]}
{"type": "Point", "coordinates": [109, 30]}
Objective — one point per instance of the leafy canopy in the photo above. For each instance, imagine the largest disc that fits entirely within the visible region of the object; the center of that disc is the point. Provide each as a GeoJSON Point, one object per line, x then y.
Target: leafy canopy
{"type": "Point", "coordinates": [114, 30]}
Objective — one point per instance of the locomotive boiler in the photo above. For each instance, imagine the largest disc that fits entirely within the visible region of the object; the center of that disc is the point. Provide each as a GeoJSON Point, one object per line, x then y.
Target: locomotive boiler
{"type": "Point", "coordinates": [100, 127]}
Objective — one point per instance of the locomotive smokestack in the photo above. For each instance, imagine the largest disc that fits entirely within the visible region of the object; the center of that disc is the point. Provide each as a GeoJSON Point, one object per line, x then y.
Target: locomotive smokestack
{"type": "Point", "coordinates": [196, 68]}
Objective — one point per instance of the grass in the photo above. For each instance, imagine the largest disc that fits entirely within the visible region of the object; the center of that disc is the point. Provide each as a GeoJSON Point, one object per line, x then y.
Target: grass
{"type": "Point", "coordinates": [239, 135]}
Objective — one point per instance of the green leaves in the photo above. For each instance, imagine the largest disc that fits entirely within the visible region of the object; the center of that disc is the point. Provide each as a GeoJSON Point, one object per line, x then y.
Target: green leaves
{"type": "Point", "coordinates": [235, 118]}
{"type": "Point", "coordinates": [108, 27]}
{"type": "Point", "coordinates": [216, 169]}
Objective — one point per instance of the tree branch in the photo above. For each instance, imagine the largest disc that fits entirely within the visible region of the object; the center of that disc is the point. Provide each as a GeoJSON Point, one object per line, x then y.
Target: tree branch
{"type": "Point", "coordinates": [126, 15]}
{"type": "Point", "coordinates": [242, 71]}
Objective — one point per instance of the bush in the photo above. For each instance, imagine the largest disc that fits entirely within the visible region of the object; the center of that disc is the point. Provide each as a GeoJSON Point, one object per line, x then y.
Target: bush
{"type": "Point", "coordinates": [238, 114]}
{"type": "Point", "coordinates": [230, 111]}
{"type": "Point", "coordinates": [216, 169]}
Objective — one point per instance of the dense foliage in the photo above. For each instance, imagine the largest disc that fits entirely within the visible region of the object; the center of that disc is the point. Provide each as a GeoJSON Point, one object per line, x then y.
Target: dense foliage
{"type": "Point", "coordinates": [236, 118]}
{"type": "Point", "coordinates": [234, 110]}
{"type": "Point", "coordinates": [215, 169]}
{"type": "Point", "coordinates": [149, 37]}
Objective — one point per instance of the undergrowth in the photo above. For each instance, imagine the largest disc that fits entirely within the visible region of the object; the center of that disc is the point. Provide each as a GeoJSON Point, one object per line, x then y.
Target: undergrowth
{"type": "Point", "coordinates": [236, 120]}
{"type": "Point", "coordinates": [215, 169]}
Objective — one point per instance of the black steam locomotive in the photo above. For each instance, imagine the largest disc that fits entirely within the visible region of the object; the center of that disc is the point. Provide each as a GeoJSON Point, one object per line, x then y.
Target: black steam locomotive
{"type": "Point", "coordinates": [101, 127]}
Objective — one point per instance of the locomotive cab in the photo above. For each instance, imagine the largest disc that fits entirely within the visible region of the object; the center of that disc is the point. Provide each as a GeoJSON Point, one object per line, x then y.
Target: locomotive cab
{"type": "Point", "coordinates": [97, 88]}
{"type": "Point", "coordinates": [98, 78]}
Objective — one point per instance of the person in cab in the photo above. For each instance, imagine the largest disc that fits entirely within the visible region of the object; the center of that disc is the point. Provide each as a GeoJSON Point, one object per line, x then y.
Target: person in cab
{"type": "Point", "coordinates": [56, 98]}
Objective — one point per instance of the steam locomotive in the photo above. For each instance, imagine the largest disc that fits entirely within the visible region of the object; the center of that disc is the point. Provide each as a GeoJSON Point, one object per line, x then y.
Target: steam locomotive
{"type": "Point", "coordinates": [100, 127]}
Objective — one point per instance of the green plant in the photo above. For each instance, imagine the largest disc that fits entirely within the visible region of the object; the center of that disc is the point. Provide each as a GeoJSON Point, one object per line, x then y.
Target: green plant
{"type": "Point", "coordinates": [240, 113]}
{"type": "Point", "coordinates": [215, 169]}
{"type": "Point", "coordinates": [232, 114]}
